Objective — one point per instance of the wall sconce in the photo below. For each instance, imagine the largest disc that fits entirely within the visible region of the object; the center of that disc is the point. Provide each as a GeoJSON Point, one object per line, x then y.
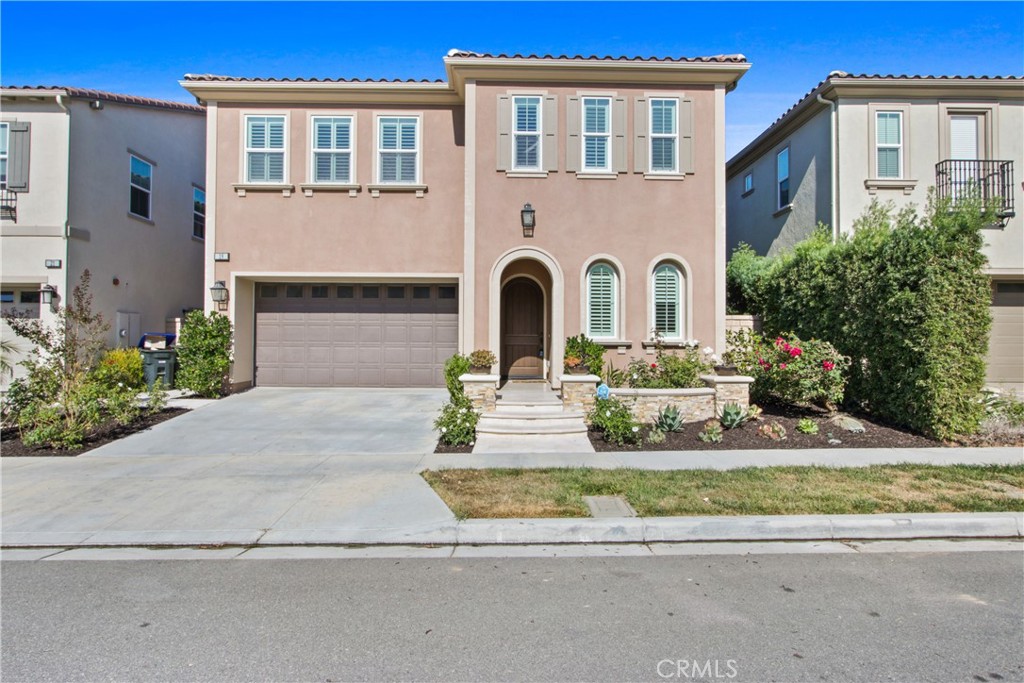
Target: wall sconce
{"type": "Point", "coordinates": [46, 294]}
{"type": "Point", "coordinates": [219, 294]}
{"type": "Point", "coordinates": [529, 219]}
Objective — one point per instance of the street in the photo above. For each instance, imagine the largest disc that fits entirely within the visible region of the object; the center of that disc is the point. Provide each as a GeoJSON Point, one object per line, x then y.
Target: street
{"type": "Point", "coordinates": [903, 616]}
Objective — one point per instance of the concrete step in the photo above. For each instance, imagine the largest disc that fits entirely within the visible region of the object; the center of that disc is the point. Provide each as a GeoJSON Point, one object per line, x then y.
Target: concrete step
{"type": "Point", "coordinates": [544, 409]}
{"type": "Point", "coordinates": [552, 426]}
{"type": "Point", "coordinates": [554, 400]}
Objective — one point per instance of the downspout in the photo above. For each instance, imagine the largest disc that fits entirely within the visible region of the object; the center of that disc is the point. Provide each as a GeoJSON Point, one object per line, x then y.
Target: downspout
{"type": "Point", "coordinates": [834, 141]}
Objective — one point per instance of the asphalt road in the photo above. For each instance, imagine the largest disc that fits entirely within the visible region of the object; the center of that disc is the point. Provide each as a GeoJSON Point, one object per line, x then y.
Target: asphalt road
{"type": "Point", "coordinates": [843, 617]}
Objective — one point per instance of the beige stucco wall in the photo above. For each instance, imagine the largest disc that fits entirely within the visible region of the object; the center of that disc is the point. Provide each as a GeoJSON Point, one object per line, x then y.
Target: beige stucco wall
{"type": "Point", "coordinates": [629, 218]}
{"type": "Point", "coordinates": [755, 218]}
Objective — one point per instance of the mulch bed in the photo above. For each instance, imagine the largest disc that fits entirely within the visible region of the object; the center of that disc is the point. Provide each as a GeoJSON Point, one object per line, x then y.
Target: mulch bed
{"type": "Point", "coordinates": [875, 435]}
{"type": "Point", "coordinates": [12, 447]}
{"type": "Point", "coordinates": [446, 448]}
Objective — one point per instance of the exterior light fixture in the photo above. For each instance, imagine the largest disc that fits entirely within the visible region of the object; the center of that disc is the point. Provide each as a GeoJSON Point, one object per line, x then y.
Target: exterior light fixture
{"type": "Point", "coordinates": [219, 294]}
{"type": "Point", "coordinates": [46, 294]}
{"type": "Point", "coordinates": [529, 219]}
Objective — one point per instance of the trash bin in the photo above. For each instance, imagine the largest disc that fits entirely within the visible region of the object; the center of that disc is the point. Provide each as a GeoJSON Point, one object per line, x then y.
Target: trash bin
{"type": "Point", "coordinates": [158, 359]}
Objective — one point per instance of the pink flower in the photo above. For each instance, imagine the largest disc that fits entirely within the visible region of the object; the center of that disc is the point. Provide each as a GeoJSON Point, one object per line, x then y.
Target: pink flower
{"type": "Point", "coordinates": [794, 351]}
{"type": "Point", "coordinates": [654, 366]}
{"type": "Point", "coordinates": [782, 366]}
{"type": "Point", "coordinates": [828, 365]}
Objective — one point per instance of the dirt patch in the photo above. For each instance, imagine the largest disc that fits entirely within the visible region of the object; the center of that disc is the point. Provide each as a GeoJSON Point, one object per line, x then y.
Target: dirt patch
{"type": "Point", "coordinates": [448, 448]}
{"type": "Point", "coordinates": [12, 447]}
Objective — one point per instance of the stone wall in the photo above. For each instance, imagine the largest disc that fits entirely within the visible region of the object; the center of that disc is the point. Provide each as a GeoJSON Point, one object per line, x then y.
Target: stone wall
{"type": "Point", "coordinates": [695, 405]}
{"type": "Point", "coordinates": [482, 391]}
{"type": "Point", "coordinates": [579, 392]}
{"type": "Point", "coordinates": [742, 322]}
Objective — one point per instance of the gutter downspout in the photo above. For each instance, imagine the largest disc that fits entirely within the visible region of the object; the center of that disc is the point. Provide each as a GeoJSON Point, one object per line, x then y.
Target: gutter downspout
{"type": "Point", "coordinates": [67, 204]}
{"type": "Point", "coordinates": [834, 135]}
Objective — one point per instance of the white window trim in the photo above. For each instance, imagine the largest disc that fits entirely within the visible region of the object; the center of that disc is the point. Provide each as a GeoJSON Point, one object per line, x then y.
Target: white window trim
{"type": "Point", "coordinates": [244, 182]}
{"type": "Point", "coordinates": [651, 135]}
{"type": "Point", "coordinates": [899, 146]}
{"type": "Point", "coordinates": [514, 132]}
{"type": "Point", "coordinates": [152, 183]}
{"type": "Point", "coordinates": [5, 132]}
{"type": "Point", "coordinates": [607, 169]}
{"type": "Point", "coordinates": [196, 213]}
{"type": "Point", "coordinates": [779, 206]}
{"type": "Point", "coordinates": [685, 294]}
{"type": "Point", "coordinates": [418, 182]}
{"type": "Point", "coordinates": [618, 296]}
{"type": "Point", "coordinates": [311, 146]}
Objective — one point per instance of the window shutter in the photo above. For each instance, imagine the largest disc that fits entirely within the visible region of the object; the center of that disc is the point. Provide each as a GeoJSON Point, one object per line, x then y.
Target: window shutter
{"type": "Point", "coordinates": [619, 135]}
{"type": "Point", "coordinates": [686, 136]}
{"type": "Point", "coordinates": [504, 132]}
{"type": "Point", "coordinates": [666, 300]}
{"type": "Point", "coordinates": [18, 151]}
{"type": "Point", "coordinates": [550, 151]}
{"type": "Point", "coordinates": [572, 140]}
{"type": "Point", "coordinates": [601, 304]}
{"type": "Point", "coordinates": [963, 137]}
{"type": "Point", "coordinates": [640, 155]}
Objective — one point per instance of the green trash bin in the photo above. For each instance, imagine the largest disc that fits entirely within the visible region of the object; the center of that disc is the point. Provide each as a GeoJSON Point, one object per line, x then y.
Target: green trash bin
{"type": "Point", "coordinates": [161, 364]}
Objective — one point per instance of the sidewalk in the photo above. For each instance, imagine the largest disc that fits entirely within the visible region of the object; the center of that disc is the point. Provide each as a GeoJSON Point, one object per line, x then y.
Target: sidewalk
{"type": "Point", "coordinates": [287, 499]}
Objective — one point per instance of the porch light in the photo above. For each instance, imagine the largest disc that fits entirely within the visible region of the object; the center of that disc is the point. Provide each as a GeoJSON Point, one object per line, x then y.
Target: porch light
{"type": "Point", "coordinates": [529, 219]}
{"type": "Point", "coordinates": [219, 294]}
{"type": "Point", "coordinates": [46, 294]}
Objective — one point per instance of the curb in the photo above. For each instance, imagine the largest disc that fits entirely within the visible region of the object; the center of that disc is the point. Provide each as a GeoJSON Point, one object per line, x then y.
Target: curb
{"type": "Point", "coordinates": [605, 531]}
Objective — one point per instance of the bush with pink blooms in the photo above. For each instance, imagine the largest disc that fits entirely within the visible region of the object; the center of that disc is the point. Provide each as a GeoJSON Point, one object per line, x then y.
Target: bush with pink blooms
{"type": "Point", "coordinates": [790, 370]}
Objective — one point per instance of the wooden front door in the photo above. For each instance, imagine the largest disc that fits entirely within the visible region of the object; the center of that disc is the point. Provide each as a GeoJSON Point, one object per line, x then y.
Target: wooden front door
{"type": "Point", "coordinates": [522, 318]}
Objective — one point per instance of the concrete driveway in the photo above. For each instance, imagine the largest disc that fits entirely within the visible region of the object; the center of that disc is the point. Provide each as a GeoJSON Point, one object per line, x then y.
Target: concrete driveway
{"type": "Point", "coordinates": [279, 421]}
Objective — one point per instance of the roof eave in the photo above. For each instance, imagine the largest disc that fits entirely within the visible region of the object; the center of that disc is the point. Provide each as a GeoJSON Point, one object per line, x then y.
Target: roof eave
{"type": "Point", "coordinates": [313, 92]}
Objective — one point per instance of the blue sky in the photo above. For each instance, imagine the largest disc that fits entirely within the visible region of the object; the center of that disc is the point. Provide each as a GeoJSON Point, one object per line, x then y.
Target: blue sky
{"type": "Point", "coordinates": [143, 48]}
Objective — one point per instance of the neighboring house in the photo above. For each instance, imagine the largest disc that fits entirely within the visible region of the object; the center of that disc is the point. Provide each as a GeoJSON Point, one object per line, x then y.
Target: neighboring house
{"type": "Point", "coordinates": [105, 182]}
{"type": "Point", "coordinates": [365, 231]}
{"type": "Point", "coordinates": [854, 139]}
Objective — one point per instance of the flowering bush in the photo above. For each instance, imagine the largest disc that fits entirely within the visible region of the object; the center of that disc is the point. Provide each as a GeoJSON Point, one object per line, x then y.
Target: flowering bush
{"type": "Point", "coordinates": [616, 421]}
{"type": "Point", "coordinates": [670, 370]}
{"type": "Point", "coordinates": [790, 370]}
{"type": "Point", "coordinates": [457, 422]}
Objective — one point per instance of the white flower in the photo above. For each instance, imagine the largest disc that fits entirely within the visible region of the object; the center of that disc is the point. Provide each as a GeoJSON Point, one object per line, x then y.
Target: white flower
{"type": "Point", "coordinates": [716, 359]}
{"type": "Point", "coordinates": [462, 412]}
{"type": "Point", "coordinates": [444, 430]}
{"type": "Point", "coordinates": [120, 384]}
{"type": "Point", "coordinates": [636, 429]}
{"type": "Point", "coordinates": [708, 350]}
{"type": "Point", "coordinates": [635, 375]}
{"type": "Point", "coordinates": [607, 413]}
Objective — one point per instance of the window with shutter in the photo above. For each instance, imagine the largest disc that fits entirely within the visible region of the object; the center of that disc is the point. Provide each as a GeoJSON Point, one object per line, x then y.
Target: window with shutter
{"type": "Point", "coordinates": [889, 144]}
{"type": "Point", "coordinates": [664, 135]}
{"type": "Point", "coordinates": [526, 133]}
{"type": "Point", "coordinates": [332, 149]}
{"type": "Point", "coordinates": [596, 133]}
{"type": "Point", "coordinates": [667, 301]}
{"type": "Point", "coordinates": [397, 150]}
{"type": "Point", "coordinates": [602, 296]}
{"type": "Point", "coordinates": [140, 182]}
{"type": "Point", "coordinates": [4, 137]}
{"type": "Point", "coordinates": [264, 149]}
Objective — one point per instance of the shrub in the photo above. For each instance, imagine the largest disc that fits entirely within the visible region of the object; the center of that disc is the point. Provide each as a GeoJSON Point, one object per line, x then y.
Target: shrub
{"type": "Point", "coordinates": [712, 432]}
{"type": "Point", "coordinates": [482, 358]}
{"type": "Point", "coordinates": [614, 418]}
{"type": "Point", "coordinates": [790, 370]}
{"type": "Point", "coordinates": [455, 367]}
{"type": "Point", "coordinates": [457, 422]}
{"type": "Point", "coordinates": [204, 353]}
{"type": "Point", "coordinates": [588, 351]}
{"type": "Point", "coordinates": [669, 420]}
{"type": "Point", "coordinates": [120, 367]}
{"type": "Point", "coordinates": [744, 280]}
{"type": "Point", "coordinates": [669, 371]}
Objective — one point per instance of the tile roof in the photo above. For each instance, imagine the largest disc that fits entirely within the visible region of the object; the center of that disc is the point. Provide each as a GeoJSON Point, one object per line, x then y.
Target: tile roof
{"type": "Point", "coordinates": [600, 58]}
{"type": "Point", "coordinates": [90, 94]}
{"type": "Point", "coordinates": [208, 78]}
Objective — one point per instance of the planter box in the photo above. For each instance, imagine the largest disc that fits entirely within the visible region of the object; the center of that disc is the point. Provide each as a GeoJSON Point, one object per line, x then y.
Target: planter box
{"type": "Point", "coordinates": [694, 404]}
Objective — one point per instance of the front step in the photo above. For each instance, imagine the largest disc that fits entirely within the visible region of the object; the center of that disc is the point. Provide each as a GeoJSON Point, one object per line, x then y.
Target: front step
{"type": "Point", "coordinates": [543, 425]}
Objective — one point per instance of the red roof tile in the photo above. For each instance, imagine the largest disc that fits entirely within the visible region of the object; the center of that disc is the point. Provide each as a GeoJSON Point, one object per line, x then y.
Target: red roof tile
{"type": "Point", "coordinates": [89, 94]}
{"type": "Point", "coordinates": [603, 58]}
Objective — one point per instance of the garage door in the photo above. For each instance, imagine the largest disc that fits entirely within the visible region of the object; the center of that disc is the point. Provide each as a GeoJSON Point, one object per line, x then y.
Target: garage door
{"type": "Point", "coordinates": [354, 335]}
{"type": "Point", "coordinates": [1006, 343]}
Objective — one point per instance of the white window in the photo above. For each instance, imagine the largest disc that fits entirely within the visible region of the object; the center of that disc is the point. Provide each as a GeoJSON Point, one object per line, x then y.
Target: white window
{"type": "Point", "coordinates": [398, 149]}
{"type": "Point", "coordinates": [782, 174]}
{"type": "Point", "coordinates": [264, 149]}
{"type": "Point", "coordinates": [526, 133]}
{"type": "Point", "coordinates": [602, 299]}
{"type": "Point", "coordinates": [664, 135]}
{"type": "Point", "coordinates": [332, 149]}
{"type": "Point", "coordinates": [4, 137]}
{"type": "Point", "coordinates": [666, 283]}
{"type": "Point", "coordinates": [748, 182]}
{"type": "Point", "coordinates": [198, 213]}
{"type": "Point", "coordinates": [140, 182]}
{"type": "Point", "coordinates": [889, 144]}
{"type": "Point", "coordinates": [597, 133]}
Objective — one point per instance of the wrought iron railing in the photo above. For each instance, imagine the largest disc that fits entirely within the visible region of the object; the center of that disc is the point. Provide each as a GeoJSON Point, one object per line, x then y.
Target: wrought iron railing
{"type": "Point", "coordinates": [992, 180]}
{"type": "Point", "coordinates": [8, 205]}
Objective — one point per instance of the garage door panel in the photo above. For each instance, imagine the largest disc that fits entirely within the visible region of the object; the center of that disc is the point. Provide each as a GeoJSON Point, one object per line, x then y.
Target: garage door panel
{"type": "Point", "coordinates": [1006, 340]}
{"type": "Point", "coordinates": [401, 337]}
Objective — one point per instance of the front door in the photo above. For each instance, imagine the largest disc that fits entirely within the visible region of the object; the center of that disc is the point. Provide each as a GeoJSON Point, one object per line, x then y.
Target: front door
{"type": "Point", "coordinates": [522, 308]}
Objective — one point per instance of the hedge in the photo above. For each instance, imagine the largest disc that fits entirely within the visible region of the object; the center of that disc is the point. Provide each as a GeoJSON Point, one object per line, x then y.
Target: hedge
{"type": "Point", "coordinates": [905, 297]}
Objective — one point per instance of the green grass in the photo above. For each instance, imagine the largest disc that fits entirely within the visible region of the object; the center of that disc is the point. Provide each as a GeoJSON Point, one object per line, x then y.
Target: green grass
{"type": "Point", "coordinates": [500, 493]}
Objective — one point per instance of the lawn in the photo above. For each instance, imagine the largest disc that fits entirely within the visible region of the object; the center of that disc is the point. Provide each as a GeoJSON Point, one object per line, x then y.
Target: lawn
{"type": "Point", "coordinates": [500, 493]}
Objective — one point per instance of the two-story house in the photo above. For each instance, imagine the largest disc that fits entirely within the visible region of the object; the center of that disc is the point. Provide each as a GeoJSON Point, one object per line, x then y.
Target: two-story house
{"type": "Point", "coordinates": [361, 232]}
{"type": "Point", "coordinates": [855, 139]}
{"type": "Point", "coordinates": [109, 183]}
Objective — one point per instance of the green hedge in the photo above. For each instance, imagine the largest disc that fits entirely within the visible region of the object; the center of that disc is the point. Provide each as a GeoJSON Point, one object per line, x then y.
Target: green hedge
{"type": "Point", "coordinates": [905, 298]}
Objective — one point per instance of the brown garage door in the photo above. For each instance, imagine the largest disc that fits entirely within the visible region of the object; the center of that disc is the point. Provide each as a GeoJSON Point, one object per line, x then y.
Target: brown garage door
{"type": "Point", "coordinates": [354, 335]}
{"type": "Point", "coordinates": [1006, 342]}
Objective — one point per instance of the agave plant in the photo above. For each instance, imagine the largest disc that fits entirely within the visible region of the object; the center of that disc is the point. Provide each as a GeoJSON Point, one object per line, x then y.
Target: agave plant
{"type": "Point", "coordinates": [669, 420]}
{"type": "Point", "coordinates": [733, 415]}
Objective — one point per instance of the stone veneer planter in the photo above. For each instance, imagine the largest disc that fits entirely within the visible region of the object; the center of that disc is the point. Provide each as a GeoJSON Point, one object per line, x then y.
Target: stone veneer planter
{"type": "Point", "coordinates": [482, 391]}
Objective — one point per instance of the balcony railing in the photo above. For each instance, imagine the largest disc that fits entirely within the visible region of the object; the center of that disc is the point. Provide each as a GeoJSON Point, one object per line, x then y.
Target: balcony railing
{"type": "Point", "coordinates": [992, 180]}
{"type": "Point", "coordinates": [8, 205]}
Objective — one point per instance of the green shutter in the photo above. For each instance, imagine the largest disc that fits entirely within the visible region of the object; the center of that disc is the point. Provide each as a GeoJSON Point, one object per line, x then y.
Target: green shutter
{"type": "Point", "coordinates": [601, 302]}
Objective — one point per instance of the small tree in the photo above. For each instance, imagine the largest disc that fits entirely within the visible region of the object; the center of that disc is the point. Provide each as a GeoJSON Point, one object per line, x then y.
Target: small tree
{"type": "Point", "coordinates": [204, 353]}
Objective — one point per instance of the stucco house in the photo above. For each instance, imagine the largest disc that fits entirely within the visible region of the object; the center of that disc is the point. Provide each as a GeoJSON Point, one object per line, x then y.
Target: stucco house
{"type": "Point", "coordinates": [105, 182]}
{"type": "Point", "coordinates": [361, 232]}
{"type": "Point", "coordinates": [857, 138]}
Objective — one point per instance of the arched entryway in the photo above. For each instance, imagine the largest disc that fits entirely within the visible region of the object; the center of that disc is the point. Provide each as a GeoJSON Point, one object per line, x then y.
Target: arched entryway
{"type": "Point", "coordinates": [522, 329]}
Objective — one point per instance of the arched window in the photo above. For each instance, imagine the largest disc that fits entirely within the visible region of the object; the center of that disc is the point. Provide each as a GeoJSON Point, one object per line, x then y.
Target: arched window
{"type": "Point", "coordinates": [666, 284]}
{"type": "Point", "coordinates": [602, 302]}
